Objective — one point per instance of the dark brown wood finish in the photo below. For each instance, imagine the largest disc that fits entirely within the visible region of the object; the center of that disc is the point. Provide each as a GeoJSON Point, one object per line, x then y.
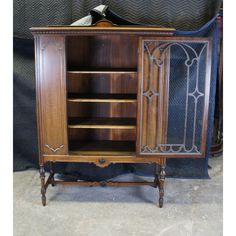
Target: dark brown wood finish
{"type": "Point", "coordinates": [89, 84]}
{"type": "Point", "coordinates": [102, 53]}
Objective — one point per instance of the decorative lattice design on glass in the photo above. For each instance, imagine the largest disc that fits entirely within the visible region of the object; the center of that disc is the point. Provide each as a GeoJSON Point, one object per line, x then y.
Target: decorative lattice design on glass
{"type": "Point", "coordinates": [173, 94]}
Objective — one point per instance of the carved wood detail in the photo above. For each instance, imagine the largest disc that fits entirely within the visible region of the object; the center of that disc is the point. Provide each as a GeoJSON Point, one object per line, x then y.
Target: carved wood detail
{"type": "Point", "coordinates": [94, 30]}
{"type": "Point", "coordinates": [161, 181]}
{"type": "Point", "coordinates": [43, 189]}
{"type": "Point", "coordinates": [54, 150]}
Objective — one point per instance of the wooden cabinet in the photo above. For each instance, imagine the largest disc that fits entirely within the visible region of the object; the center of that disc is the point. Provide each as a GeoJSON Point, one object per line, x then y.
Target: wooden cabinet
{"type": "Point", "coordinates": [120, 95]}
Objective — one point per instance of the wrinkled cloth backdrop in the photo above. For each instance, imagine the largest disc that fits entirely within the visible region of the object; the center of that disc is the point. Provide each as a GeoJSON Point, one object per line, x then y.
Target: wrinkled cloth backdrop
{"type": "Point", "coordinates": [184, 15]}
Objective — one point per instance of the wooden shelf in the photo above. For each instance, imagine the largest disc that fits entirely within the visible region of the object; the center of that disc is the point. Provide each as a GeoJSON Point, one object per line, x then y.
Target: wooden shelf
{"type": "Point", "coordinates": [101, 123]}
{"type": "Point", "coordinates": [73, 97]}
{"type": "Point", "coordinates": [102, 147]}
{"type": "Point", "coordinates": [103, 71]}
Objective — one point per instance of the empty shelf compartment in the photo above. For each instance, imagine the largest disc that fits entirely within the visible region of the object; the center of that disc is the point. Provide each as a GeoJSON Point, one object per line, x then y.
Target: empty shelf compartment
{"type": "Point", "coordinates": [105, 147]}
{"type": "Point", "coordinates": [102, 123]}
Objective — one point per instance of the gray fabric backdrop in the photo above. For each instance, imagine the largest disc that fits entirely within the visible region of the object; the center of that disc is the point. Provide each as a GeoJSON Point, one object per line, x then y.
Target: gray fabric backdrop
{"type": "Point", "coordinates": [180, 14]}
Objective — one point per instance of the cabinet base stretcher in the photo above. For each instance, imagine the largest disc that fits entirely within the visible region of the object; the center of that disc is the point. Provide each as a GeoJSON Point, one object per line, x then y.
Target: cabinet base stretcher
{"type": "Point", "coordinates": [159, 180]}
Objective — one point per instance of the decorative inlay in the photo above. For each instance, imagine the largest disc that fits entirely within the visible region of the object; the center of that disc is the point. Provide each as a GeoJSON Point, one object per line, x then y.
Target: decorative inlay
{"type": "Point", "coordinates": [150, 93]}
{"type": "Point", "coordinates": [54, 149]}
{"type": "Point", "coordinates": [196, 94]}
{"type": "Point", "coordinates": [169, 148]}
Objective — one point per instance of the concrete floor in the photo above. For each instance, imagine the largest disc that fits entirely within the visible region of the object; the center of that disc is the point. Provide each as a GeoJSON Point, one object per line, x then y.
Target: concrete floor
{"type": "Point", "coordinates": [191, 207]}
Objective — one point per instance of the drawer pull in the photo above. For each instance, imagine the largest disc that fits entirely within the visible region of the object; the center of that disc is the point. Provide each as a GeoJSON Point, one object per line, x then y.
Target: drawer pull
{"type": "Point", "coordinates": [101, 161]}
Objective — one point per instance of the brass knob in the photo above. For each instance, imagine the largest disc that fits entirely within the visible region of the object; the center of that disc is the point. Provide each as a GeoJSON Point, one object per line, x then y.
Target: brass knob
{"type": "Point", "coordinates": [101, 161]}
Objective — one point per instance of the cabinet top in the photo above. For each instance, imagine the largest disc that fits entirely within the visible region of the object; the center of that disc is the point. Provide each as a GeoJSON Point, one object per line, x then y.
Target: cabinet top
{"type": "Point", "coordinates": [95, 30]}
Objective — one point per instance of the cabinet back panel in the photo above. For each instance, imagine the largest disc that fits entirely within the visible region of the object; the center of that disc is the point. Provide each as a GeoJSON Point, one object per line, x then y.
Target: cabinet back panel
{"type": "Point", "coordinates": [125, 110]}
{"type": "Point", "coordinates": [102, 51]}
{"type": "Point", "coordinates": [101, 134]}
{"type": "Point", "coordinates": [102, 83]}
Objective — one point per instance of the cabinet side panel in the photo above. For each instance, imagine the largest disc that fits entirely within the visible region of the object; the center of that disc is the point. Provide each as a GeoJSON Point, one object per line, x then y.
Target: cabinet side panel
{"type": "Point", "coordinates": [51, 94]}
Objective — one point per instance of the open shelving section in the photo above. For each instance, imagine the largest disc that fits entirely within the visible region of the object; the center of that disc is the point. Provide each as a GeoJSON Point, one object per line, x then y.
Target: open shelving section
{"type": "Point", "coordinates": [102, 94]}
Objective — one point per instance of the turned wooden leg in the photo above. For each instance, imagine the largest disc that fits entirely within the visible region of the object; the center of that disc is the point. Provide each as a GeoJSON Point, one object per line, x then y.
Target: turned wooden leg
{"type": "Point", "coordinates": [52, 172]}
{"type": "Point", "coordinates": [156, 174]}
{"type": "Point", "coordinates": [43, 189]}
{"type": "Point", "coordinates": [161, 185]}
